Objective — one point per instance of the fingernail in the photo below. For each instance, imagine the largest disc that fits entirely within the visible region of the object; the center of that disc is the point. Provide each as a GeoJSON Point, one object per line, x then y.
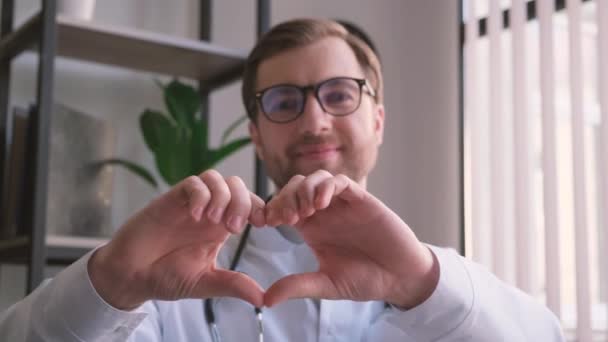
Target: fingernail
{"type": "Point", "coordinates": [196, 213]}
{"type": "Point", "coordinates": [258, 215]}
{"type": "Point", "coordinates": [290, 216]}
{"type": "Point", "coordinates": [235, 223]}
{"type": "Point", "coordinates": [309, 212]}
{"type": "Point", "coordinates": [215, 215]}
{"type": "Point", "coordinates": [210, 214]}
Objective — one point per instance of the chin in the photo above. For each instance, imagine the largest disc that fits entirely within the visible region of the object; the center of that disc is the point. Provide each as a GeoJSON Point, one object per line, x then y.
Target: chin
{"type": "Point", "coordinates": [312, 167]}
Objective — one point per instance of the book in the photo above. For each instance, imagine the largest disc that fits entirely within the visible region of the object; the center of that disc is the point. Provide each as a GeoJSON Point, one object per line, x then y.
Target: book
{"type": "Point", "coordinates": [79, 191]}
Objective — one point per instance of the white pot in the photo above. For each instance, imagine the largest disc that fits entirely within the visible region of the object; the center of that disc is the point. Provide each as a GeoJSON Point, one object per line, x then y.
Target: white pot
{"type": "Point", "coordinates": [76, 9]}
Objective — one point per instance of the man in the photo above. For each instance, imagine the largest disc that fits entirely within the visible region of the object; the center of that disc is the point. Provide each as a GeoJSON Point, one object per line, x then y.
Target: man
{"type": "Point", "coordinates": [353, 269]}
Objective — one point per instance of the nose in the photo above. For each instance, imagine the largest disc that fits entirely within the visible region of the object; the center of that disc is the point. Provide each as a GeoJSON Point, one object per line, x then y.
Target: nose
{"type": "Point", "coordinates": [314, 120]}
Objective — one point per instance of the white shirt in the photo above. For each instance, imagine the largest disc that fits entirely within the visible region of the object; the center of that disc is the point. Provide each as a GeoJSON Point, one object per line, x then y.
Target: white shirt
{"type": "Point", "coordinates": [469, 304]}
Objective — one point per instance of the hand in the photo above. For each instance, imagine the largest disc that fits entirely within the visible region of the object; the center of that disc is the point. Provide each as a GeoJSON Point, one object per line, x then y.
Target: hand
{"type": "Point", "coordinates": [168, 250]}
{"type": "Point", "coordinates": [365, 251]}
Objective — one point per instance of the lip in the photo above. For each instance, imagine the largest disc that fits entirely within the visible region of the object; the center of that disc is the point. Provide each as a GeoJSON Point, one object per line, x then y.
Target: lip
{"type": "Point", "coordinates": [317, 151]}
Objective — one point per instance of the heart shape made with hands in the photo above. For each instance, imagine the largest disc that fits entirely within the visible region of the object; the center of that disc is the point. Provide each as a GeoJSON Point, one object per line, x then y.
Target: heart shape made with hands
{"type": "Point", "coordinates": [167, 252]}
{"type": "Point", "coordinates": [360, 244]}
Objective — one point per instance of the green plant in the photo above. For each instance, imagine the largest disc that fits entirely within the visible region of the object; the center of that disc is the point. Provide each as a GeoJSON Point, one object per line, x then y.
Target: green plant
{"type": "Point", "coordinates": [180, 140]}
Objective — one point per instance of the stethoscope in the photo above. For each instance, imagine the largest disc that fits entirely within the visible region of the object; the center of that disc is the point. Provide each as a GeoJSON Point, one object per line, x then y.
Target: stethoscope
{"type": "Point", "coordinates": [210, 315]}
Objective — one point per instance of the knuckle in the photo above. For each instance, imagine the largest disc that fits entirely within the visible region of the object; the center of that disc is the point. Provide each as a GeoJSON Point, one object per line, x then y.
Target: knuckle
{"type": "Point", "coordinates": [221, 194]}
{"type": "Point", "coordinates": [323, 172]}
{"type": "Point", "coordinates": [239, 205]}
{"type": "Point", "coordinates": [302, 191]}
{"type": "Point", "coordinates": [210, 174]}
{"type": "Point", "coordinates": [296, 178]}
{"type": "Point", "coordinates": [235, 180]}
{"type": "Point", "coordinates": [191, 181]}
{"type": "Point", "coordinates": [192, 185]}
{"type": "Point", "coordinates": [301, 196]}
{"type": "Point", "coordinates": [256, 201]}
{"type": "Point", "coordinates": [342, 177]}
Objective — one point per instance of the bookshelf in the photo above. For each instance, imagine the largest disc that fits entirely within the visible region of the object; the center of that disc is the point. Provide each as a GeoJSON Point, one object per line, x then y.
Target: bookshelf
{"type": "Point", "coordinates": [132, 49]}
{"type": "Point", "coordinates": [51, 37]}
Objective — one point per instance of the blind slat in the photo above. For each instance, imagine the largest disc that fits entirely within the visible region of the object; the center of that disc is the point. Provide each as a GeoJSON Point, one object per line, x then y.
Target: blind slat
{"type": "Point", "coordinates": [549, 156]}
{"type": "Point", "coordinates": [583, 298]}
{"type": "Point", "coordinates": [525, 237]}
{"type": "Point", "coordinates": [602, 39]}
{"type": "Point", "coordinates": [498, 157]}
{"type": "Point", "coordinates": [480, 204]}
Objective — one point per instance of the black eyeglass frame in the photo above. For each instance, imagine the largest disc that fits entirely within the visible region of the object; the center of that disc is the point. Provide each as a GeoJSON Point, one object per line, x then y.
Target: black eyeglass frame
{"type": "Point", "coordinates": [315, 89]}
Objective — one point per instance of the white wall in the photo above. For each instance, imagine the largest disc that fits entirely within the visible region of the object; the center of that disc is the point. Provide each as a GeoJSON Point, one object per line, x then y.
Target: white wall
{"type": "Point", "coordinates": [417, 174]}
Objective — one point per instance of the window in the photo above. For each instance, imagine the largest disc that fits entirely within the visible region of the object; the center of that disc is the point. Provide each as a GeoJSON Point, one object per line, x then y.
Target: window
{"type": "Point", "coordinates": [535, 178]}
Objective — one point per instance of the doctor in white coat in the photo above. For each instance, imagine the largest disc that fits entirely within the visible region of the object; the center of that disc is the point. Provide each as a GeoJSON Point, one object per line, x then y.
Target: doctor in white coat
{"type": "Point", "coordinates": [328, 261]}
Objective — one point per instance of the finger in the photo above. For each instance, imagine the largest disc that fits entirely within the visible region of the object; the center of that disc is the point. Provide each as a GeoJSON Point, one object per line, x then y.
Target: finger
{"type": "Point", "coordinates": [324, 193]}
{"type": "Point", "coordinates": [283, 208]}
{"type": "Point", "coordinates": [186, 198]}
{"type": "Point", "coordinates": [224, 283]}
{"type": "Point", "coordinates": [339, 186]}
{"type": "Point", "coordinates": [220, 195]}
{"type": "Point", "coordinates": [348, 190]}
{"type": "Point", "coordinates": [308, 188]}
{"type": "Point", "coordinates": [302, 285]}
{"type": "Point", "coordinates": [197, 196]}
{"type": "Point", "coordinates": [256, 215]}
{"type": "Point", "coordinates": [240, 205]}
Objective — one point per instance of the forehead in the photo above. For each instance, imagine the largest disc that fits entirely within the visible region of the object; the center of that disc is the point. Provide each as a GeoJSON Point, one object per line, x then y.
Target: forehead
{"type": "Point", "coordinates": [309, 64]}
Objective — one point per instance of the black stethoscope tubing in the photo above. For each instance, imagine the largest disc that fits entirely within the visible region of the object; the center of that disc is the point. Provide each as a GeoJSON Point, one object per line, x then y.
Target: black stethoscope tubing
{"type": "Point", "coordinates": [209, 314]}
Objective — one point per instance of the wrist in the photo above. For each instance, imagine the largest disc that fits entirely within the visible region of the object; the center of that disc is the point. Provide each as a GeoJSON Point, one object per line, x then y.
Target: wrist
{"type": "Point", "coordinates": [423, 285]}
{"type": "Point", "coordinates": [111, 282]}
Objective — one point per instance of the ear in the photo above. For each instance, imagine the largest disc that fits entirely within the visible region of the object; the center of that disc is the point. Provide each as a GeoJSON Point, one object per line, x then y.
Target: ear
{"type": "Point", "coordinates": [254, 133]}
{"type": "Point", "coordinates": [379, 123]}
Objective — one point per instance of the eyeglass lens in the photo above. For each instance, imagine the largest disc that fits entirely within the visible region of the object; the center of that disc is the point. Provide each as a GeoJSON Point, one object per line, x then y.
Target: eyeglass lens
{"type": "Point", "coordinates": [338, 96]}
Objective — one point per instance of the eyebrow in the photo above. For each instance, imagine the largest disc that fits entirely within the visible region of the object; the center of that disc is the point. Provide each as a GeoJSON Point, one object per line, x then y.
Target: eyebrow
{"type": "Point", "coordinates": [309, 84]}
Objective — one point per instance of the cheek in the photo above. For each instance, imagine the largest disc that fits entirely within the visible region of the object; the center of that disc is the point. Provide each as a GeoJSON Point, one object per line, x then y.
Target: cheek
{"type": "Point", "coordinates": [360, 131]}
{"type": "Point", "coordinates": [273, 141]}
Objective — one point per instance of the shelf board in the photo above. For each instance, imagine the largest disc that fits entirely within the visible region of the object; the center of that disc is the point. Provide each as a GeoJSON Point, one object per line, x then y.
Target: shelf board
{"type": "Point", "coordinates": [60, 249]}
{"type": "Point", "coordinates": [135, 49]}
{"type": "Point", "coordinates": [18, 41]}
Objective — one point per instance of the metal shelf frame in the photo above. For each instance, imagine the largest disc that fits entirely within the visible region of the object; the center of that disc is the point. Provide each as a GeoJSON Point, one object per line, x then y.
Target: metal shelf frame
{"type": "Point", "coordinates": [36, 249]}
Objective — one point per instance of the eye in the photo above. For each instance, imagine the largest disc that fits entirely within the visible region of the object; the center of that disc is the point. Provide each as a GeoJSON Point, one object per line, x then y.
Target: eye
{"type": "Point", "coordinates": [339, 95]}
{"type": "Point", "coordinates": [336, 97]}
{"type": "Point", "coordinates": [281, 99]}
{"type": "Point", "coordinates": [285, 104]}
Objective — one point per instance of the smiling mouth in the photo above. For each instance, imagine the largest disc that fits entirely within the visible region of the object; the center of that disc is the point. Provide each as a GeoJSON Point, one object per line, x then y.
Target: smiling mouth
{"type": "Point", "coordinates": [317, 152]}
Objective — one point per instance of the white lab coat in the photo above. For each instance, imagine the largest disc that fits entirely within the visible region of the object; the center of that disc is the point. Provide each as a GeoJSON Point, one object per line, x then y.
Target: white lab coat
{"type": "Point", "coordinates": [469, 304]}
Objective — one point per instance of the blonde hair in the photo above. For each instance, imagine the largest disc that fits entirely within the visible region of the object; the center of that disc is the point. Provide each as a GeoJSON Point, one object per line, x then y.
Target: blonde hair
{"type": "Point", "coordinates": [302, 32]}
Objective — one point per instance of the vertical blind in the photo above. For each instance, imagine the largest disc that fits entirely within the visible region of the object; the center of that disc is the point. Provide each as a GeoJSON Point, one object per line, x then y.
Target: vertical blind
{"type": "Point", "coordinates": [536, 152]}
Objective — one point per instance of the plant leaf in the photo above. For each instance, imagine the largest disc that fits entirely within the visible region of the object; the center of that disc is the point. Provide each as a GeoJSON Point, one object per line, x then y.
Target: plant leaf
{"type": "Point", "coordinates": [136, 169]}
{"type": "Point", "coordinates": [173, 159]}
{"type": "Point", "coordinates": [199, 146]}
{"type": "Point", "coordinates": [156, 128]}
{"type": "Point", "coordinates": [168, 144]}
{"type": "Point", "coordinates": [216, 156]}
{"type": "Point", "coordinates": [183, 102]}
{"type": "Point", "coordinates": [231, 128]}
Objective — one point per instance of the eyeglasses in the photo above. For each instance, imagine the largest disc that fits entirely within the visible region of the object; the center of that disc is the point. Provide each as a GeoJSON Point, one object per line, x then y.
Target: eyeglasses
{"type": "Point", "coordinates": [337, 96]}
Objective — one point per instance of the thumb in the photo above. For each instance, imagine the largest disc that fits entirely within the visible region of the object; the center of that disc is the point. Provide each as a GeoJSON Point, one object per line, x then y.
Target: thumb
{"type": "Point", "coordinates": [224, 283]}
{"type": "Point", "coordinates": [302, 285]}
